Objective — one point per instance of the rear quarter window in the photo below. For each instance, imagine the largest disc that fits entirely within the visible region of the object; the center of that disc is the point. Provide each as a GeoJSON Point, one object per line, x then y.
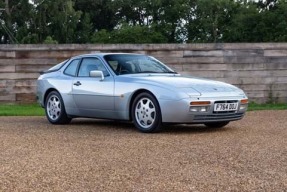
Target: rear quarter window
{"type": "Point", "coordinates": [55, 68]}
{"type": "Point", "coordinates": [71, 69]}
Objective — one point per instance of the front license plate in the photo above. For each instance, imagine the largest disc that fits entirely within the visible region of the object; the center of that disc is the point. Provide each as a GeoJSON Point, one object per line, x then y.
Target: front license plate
{"type": "Point", "coordinates": [225, 106]}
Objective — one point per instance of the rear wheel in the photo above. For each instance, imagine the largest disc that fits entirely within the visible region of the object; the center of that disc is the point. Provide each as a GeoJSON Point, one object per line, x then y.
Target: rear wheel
{"type": "Point", "coordinates": [55, 109]}
{"type": "Point", "coordinates": [146, 113]}
{"type": "Point", "coordinates": [216, 124]}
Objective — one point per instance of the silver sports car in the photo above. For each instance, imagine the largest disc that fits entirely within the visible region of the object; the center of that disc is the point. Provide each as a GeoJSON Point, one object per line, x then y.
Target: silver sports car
{"type": "Point", "coordinates": [136, 88]}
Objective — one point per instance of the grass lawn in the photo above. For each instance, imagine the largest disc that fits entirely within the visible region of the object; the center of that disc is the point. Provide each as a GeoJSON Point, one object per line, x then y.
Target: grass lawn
{"type": "Point", "coordinates": [268, 106]}
{"type": "Point", "coordinates": [36, 110]}
{"type": "Point", "coordinates": [21, 110]}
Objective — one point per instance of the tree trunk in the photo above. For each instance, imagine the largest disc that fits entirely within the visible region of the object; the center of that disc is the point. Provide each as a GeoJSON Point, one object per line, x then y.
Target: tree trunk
{"type": "Point", "coordinates": [8, 19]}
{"type": "Point", "coordinates": [8, 12]}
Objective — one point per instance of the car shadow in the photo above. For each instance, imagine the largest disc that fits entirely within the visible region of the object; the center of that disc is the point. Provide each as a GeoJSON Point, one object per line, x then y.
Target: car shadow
{"type": "Point", "coordinates": [193, 128]}
{"type": "Point", "coordinates": [128, 126]}
{"type": "Point", "coordinates": [102, 124]}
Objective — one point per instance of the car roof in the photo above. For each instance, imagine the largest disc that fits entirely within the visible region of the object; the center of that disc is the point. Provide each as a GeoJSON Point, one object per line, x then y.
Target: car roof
{"type": "Point", "coordinates": [102, 54]}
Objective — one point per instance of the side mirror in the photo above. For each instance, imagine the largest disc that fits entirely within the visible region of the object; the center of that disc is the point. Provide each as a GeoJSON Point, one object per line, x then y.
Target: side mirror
{"type": "Point", "coordinates": [97, 74]}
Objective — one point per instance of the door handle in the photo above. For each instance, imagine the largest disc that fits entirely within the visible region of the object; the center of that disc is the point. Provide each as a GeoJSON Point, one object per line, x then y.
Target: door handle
{"type": "Point", "coordinates": [78, 83]}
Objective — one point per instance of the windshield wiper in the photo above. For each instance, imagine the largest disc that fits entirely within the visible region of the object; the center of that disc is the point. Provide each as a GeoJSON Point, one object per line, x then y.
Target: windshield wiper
{"type": "Point", "coordinates": [149, 72]}
{"type": "Point", "coordinates": [172, 72]}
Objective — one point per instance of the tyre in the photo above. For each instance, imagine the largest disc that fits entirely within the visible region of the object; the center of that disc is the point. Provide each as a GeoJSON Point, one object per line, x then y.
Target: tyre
{"type": "Point", "coordinates": [146, 113]}
{"type": "Point", "coordinates": [216, 124]}
{"type": "Point", "coordinates": [55, 109]}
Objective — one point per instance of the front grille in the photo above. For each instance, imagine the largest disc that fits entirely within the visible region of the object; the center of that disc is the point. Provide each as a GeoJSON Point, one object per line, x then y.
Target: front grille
{"type": "Point", "coordinates": [224, 112]}
{"type": "Point", "coordinates": [218, 117]}
{"type": "Point", "coordinates": [228, 101]}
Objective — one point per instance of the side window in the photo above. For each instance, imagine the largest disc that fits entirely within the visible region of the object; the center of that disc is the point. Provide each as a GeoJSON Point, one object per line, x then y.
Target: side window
{"type": "Point", "coordinates": [91, 64]}
{"type": "Point", "coordinates": [72, 68]}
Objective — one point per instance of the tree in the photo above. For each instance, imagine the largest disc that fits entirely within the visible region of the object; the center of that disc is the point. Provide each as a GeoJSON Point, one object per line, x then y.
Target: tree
{"type": "Point", "coordinates": [146, 21]}
{"type": "Point", "coordinates": [50, 40]}
{"type": "Point", "coordinates": [164, 16]}
{"type": "Point", "coordinates": [84, 29]}
{"type": "Point", "coordinates": [275, 19]}
{"type": "Point", "coordinates": [208, 21]}
{"type": "Point", "coordinates": [15, 20]}
{"type": "Point", "coordinates": [57, 19]}
{"type": "Point", "coordinates": [259, 23]}
{"type": "Point", "coordinates": [246, 25]}
{"type": "Point", "coordinates": [102, 13]}
{"type": "Point", "coordinates": [129, 34]}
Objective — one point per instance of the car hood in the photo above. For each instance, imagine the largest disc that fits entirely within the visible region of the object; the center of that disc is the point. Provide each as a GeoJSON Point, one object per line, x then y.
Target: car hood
{"type": "Point", "coordinates": [192, 85]}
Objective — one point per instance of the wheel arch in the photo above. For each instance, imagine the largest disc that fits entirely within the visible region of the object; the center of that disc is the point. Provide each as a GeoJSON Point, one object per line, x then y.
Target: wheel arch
{"type": "Point", "coordinates": [47, 93]}
{"type": "Point", "coordinates": [62, 117]}
{"type": "Point", "coordinates": [135, 94]}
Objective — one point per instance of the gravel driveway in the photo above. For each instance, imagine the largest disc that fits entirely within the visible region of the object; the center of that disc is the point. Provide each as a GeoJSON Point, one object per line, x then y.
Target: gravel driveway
{"type": "Point", "coordinates": [97, 155]}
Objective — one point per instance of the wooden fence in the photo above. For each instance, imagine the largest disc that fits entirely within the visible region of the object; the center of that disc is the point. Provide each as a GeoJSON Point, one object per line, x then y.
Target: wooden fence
{"type": "Point", "coordinates": [259, 69]}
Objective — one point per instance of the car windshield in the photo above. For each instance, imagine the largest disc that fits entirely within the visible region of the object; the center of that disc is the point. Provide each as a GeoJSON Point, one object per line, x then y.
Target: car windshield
{"type": "Point", "coordinates": [132, 64]}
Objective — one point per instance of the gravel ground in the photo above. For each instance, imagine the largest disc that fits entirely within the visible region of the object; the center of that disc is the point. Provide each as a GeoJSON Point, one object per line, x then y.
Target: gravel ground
{"type": "Point", "coordinates": [97, 155]}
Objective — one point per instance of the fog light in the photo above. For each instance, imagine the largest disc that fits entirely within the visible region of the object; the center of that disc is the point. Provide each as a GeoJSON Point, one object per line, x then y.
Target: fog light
{"type": "Point", "coordinates": [203, 109]}
{"type": "Point", "coordinates": [199, 108]}
{"type": "Point", "coordinates": [194, 109]}
{"type": "Point", "coordinates": [243, 107]}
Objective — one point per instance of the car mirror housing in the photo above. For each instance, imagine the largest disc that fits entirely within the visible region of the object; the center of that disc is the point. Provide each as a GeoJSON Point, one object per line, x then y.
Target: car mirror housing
{"type": "Point", "coordinates": [97, 74]}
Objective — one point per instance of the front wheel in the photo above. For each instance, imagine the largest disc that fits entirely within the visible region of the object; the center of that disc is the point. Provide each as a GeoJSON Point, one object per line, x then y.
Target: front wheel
{"type": "Point", "coordinates": [55, 109]}
{"type": "Point", "coordinates": [146, 113]}
{"type": "Point", "coordinates": [216, 124]}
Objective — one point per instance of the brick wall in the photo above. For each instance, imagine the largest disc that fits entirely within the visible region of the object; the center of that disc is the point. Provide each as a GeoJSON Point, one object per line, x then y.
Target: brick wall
{"type": "Point", "coordinates": [259, 69]}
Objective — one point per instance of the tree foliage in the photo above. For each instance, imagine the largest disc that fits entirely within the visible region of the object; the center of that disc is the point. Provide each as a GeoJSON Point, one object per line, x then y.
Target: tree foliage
{"type": "Point", "coordinates": [146, 21]}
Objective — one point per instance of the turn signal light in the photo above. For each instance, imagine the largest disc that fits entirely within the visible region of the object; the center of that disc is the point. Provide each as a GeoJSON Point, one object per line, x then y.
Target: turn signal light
{"type": "Point", "coordinates": [244, 101]}
{"type": "Point", "coordinates": [200, 103]}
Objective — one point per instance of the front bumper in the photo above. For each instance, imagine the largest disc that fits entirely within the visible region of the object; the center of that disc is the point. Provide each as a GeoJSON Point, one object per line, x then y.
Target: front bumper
{"type": "Point", "coordinates": [217, 117]}
{"type": "Point", "coordinates": [179, 111]}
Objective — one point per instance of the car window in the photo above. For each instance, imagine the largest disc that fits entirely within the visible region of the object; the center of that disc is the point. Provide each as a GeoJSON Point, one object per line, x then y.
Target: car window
{"type": "Point", "coordinates": [55, 68]}
{"type": "Point", "coordinates": [91, 64]}
{"type": "Point", "coordinates": [58, 66]}
{"type": "Point", "coordinates": [130, 64]}
{"type": "Point", "coordinates": [72, 68]}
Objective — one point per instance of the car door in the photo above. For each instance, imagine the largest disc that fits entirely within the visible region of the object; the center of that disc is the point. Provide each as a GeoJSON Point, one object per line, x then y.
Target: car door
{"type": "Point", "coordinates": [93, 96]}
